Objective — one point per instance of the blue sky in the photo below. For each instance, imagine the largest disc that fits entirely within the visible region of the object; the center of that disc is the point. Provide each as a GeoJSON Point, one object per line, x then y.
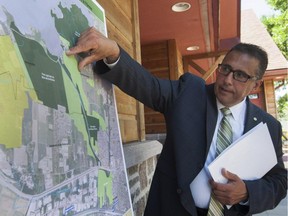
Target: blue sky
{"type": "Point", "coordinates": [260, 7]}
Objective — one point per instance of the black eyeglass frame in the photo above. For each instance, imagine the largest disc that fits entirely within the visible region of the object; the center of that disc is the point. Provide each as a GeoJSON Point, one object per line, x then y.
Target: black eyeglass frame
{"type": "Point", "coordinates": [245, 75]}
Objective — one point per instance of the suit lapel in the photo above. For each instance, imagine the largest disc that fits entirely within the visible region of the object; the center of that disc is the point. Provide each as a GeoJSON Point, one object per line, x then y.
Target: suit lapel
{"type": "Point", "coordinates": [211, 117]}
{"type": "Point", "coordinates": [252, 116]}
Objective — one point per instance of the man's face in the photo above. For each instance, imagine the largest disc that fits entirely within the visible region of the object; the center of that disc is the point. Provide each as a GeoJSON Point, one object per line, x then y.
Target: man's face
{"type": "Point", "coordinates": [230, 91]}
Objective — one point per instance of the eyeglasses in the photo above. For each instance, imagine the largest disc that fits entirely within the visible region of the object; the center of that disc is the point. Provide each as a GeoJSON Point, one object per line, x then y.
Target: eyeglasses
{"type": "Point", "coordinates": [238, 75]}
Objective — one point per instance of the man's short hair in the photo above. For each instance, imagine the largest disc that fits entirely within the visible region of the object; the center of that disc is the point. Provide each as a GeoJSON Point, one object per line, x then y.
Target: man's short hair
{"type": "Point", "coordinates": [256, 52]}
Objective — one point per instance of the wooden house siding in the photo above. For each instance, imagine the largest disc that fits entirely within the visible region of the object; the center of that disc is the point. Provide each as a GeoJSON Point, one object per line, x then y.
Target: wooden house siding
{"type": "Point", "coordinates": [270, 97]}
{"type": "Point", "coordinates": [123, 27]}
{"type": "Point", "coordinates": [163, 60]}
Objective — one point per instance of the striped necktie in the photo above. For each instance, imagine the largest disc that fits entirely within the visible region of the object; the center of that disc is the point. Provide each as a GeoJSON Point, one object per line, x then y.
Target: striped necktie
{"type": "Point", "coordinates": [224, 139]}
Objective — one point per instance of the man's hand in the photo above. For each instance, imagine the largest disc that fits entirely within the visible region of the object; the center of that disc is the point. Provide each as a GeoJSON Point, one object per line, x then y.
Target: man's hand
{"type": "Point", "coordinates": [96, 46]}
{"type": "Point", "coordinates": [233, 192]}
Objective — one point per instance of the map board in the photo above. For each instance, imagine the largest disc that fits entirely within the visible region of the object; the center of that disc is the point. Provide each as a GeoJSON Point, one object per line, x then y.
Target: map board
{"type": "Point", "coordinates": [60, 145]}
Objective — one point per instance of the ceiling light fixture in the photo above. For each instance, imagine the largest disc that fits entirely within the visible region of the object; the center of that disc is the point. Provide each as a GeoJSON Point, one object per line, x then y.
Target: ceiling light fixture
{"type": "Point", "coordinates": [192, 48]}
{"type": "Point", "coordinates": [181, 7]}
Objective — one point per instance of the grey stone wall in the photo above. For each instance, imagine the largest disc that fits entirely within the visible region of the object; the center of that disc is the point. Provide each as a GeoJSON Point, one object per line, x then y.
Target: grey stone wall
{"type": "Point", "coordinates": [141, 160]}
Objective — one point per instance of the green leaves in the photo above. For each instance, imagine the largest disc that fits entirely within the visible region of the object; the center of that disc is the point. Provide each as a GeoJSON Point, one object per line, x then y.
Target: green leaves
{"type": "Point", "coordinates": [277, 25]}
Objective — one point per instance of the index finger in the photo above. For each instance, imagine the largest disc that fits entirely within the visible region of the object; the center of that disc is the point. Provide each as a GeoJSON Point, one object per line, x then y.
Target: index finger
{"type": "Point", "coordinates": [75, 50]}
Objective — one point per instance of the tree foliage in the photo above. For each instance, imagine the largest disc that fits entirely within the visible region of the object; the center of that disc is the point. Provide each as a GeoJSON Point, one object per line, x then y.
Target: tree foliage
{"type": "Point", "coordinates": [277, 25]}
{"type": "Point", "coordinates": [281, 88]}
{"type": "Point", "coordinates": [283, 106]}
{"type": "Point", "coordinates": [280, 5]}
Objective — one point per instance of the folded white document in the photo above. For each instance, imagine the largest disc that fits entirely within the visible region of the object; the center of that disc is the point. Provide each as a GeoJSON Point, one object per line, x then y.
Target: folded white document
{"type": "Point", "coordinates": [250, 157]}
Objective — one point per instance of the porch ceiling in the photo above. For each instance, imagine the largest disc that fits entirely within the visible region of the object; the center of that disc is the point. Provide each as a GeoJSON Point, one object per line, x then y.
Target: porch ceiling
{"type": "Point", "coordinates": [212, 25]}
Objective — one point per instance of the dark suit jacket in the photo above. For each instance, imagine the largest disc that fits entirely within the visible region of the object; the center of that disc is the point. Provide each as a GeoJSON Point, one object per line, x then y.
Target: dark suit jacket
{"type": "Point", "coordinates": [190, 111]}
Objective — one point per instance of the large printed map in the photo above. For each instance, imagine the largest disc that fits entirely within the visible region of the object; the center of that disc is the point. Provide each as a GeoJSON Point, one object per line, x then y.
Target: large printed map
{"type": "Point", "coordinates": [60, 146]}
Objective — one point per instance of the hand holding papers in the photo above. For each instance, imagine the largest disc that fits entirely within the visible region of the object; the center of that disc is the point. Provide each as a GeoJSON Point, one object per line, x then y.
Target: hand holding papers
{"type": "Point", "coordinates": [250, 157]}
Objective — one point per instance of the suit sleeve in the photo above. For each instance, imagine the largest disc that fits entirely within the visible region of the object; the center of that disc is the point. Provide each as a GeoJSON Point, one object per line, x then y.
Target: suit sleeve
{"type": "Point", "coordinates": [267, 192]}
{"type": "Point", "coordinates": [137, 82]}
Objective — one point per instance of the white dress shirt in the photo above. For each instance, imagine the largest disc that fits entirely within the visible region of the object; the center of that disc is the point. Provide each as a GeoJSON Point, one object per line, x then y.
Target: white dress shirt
{"type": "Point", "coordinates": [200, 187]}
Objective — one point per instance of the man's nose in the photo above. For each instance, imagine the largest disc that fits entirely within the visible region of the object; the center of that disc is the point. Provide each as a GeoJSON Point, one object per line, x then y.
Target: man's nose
{"type": "Point", "coordinates": [229, 78]}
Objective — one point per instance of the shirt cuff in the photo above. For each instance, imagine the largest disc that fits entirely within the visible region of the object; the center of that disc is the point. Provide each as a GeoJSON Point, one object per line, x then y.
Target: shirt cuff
{"type": "Point", "coordinates": [112, 64]}
{"type": "Point", "coordinates": [245, 202]}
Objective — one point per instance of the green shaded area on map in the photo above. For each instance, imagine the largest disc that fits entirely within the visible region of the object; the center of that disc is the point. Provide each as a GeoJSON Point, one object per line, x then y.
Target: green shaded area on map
{"type": "Point", "coordinates": [105, 185]}
{"type": "Point", "coordinates": [77, 24]}
{"type": "Point", "coordinates": [44, 71]}
{"type": "Point", "coordinates": [93, 127]}
{"type": "Point", "coordinates": [91, 5]}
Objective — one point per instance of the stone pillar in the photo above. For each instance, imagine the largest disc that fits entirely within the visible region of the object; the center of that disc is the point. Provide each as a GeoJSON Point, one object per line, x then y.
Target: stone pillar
{"type": "Point", "coordinates": [141, 160]}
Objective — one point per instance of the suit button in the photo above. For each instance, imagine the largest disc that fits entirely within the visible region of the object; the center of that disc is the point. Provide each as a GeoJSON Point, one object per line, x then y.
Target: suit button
{"type": "Point", "coordinates": [179, 191]}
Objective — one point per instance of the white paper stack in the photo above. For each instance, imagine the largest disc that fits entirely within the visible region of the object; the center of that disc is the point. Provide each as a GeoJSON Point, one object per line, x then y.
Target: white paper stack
{"type": "Point", "coordinates": [250, 157]}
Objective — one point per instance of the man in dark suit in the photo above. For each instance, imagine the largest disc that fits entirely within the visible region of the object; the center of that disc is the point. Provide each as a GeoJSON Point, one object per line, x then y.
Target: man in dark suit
{"type": "Point", "coordinates": [192, 113]}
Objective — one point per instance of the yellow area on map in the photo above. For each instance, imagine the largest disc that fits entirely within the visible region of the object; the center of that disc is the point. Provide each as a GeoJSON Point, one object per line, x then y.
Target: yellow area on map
{"type": "Point", "coordinates": [14, 90]}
